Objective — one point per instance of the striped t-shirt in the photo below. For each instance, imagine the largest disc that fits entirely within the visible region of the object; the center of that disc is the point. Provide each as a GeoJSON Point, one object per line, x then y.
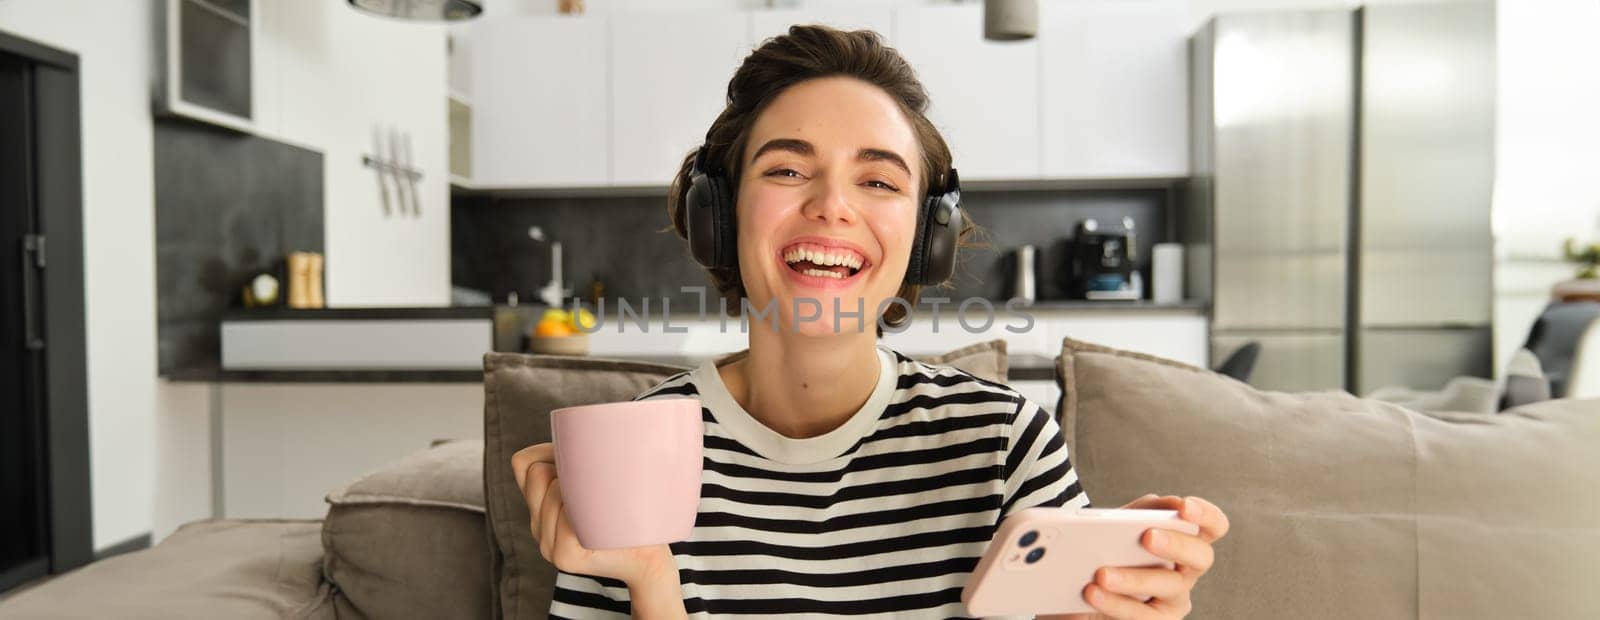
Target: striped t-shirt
{"type": "Point", "coordinates": [887, 514]}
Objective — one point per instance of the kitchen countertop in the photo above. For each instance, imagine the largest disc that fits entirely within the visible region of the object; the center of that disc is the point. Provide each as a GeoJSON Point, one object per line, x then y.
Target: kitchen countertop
{"type": "Point", "coordinates": [322, 314]}
{"type": "Point", "coordinates": [1023, 366]}
{"type": "Point", "coordinates": [1142, 305]}
{"type": "Point", "coordinates": [533, 309]}
{"type": "Point", "coordinates": [329, 376]}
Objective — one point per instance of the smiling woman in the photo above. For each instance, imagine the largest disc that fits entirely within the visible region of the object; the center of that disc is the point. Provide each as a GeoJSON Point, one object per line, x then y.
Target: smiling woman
{"type": "Point", "coordinates": [840, 187]}
{"type": "Point", "coordinates": [840, 477]}
{"type": "Point", "coordinates": [812, 108]}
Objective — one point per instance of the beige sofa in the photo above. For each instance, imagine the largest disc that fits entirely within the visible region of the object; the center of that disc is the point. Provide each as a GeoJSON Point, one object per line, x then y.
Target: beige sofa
{"type": "Point", "coordinates": [1341, 507]}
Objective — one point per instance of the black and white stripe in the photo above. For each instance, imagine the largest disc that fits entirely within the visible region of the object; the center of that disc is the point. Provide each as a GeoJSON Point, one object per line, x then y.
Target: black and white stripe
{"type": "Point", "coordinates": [891, 524]}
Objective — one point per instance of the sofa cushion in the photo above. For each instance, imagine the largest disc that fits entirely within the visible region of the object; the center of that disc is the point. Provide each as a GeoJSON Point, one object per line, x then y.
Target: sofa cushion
{"type": "Point", "coordinates": [222, 568]}
{"type": "Point", "coordinates": [1343, 507]}
{"type": "Point", "coordinates": [409, 540]}
{"type": "Point", "coordinates": [519, 393]}
{"type": "Point", "coordinates": [985, 360]}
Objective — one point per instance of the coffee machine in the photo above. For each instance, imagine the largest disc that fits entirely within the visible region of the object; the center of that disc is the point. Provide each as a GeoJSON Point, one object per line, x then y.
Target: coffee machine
{"type": "Point", "coordinates": [1101, 262]}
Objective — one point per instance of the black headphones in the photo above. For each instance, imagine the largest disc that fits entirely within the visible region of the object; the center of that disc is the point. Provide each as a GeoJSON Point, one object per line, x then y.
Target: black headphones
{"type": "Point", "coordinates": [713, 235]}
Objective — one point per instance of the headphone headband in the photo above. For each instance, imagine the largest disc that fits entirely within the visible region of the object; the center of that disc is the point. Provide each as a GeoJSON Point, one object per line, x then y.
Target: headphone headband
{"type": "Point", "coordinates": [952, 184]}
{"type": "Point", "coordinates": [701, 157]}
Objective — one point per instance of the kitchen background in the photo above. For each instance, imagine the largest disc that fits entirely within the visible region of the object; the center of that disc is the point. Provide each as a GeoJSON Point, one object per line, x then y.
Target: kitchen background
{"type": "Point", "coordinates": [524, 117]}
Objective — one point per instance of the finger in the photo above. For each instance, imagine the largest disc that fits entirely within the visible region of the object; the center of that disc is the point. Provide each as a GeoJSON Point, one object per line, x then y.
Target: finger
{"type": "Point", "coordinates": [539, 477]}
{"type": "Point", "coordinates": [566, 546]}
{"type": "Point", "coordinates": [1143, 583]}
{"type": "Point", "coordinates": [564, 531]}
{"type": "Point", "coordinates": [1151, 501]}
{"type": "Point", "coordinates": [550, 512]}
{"type": "Point", "coordinates": [521, 459]}
{"type": "Point", "coordinates": [1189, 552]}
{"type": "Point", "coordinates": [1178, 607]}
{"type": "Point", "coordinates": [1117, 605]}
{"type": "Point", "coordinates": [1212, 521]}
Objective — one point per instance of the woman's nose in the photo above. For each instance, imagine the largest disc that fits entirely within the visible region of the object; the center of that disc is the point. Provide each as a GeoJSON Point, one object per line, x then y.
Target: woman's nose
{"type": "Point", "coordinates": [829, 203]}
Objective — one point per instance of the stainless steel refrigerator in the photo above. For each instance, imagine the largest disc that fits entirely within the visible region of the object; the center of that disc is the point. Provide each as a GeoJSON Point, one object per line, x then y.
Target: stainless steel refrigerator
{"type": "Point", "coordinates": [1269, 210]}
{"type": "Point", "coordinates": [1341, 162]}
{"type": "Point", "coordinates": [1424, 246]}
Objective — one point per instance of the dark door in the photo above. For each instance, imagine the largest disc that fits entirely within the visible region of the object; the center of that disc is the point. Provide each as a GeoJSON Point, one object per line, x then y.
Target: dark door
{"type": "Point", "coordinates": [24, 552]}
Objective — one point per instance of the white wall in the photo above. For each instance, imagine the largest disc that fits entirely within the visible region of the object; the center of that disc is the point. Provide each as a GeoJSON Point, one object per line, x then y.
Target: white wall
{"type": "Point", "coordinates": [119, 244]}
{"type": "Point", "coordinates": [1547, 154]}
{"type": "Point", "coordinates": [328, 74]}
{"type": "Point", "coordinates": [325, 74]}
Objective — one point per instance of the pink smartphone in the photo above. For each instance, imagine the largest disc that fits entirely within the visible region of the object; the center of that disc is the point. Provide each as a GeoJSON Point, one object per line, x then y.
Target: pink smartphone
{"type": "Point", "coordinates": [1041, 559]}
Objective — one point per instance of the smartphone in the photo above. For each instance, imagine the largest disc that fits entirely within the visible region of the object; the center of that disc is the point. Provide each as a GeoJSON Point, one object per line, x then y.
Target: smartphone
{"type": "Point", "coordinates": [1041, 559]}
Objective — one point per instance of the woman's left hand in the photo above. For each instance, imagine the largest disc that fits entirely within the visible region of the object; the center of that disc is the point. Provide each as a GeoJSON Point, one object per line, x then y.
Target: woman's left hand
{"type": "Point", "coordinates": [1148, 593]}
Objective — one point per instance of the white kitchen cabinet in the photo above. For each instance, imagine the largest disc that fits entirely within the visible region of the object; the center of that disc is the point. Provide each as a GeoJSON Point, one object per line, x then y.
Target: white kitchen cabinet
{"type": "Point", "coordinates": [669, 80]}
{"type": "Point", "coordinates": [1113, 89]}
{"type": "Point", "coordinates": [984, 94]}
{"type": "Point", "coordinates": [619, 100]}
{"type": "Point", "coordinates": [771, 23]}
{"type": "Point", "coordinates": [539, 102]}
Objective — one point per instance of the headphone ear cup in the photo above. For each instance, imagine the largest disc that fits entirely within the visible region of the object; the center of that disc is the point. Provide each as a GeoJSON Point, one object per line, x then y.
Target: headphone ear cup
{"type": "Point", "coordinates": [712, 236]}
{"type": "Point", "coordinates": [940, 248]}
{"type": "Point", "coordinates": [701, 219]}
{"type": "Point", "coordinates": [726, 225]}
{"type": "Point", "coordinates": [914, 267]}
{"type": "Point", "coordinates": [933, 253]}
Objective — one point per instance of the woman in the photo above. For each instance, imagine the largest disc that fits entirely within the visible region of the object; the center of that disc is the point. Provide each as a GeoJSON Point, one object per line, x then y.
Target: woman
{"type": "Point", "coordinates": [840, 476]}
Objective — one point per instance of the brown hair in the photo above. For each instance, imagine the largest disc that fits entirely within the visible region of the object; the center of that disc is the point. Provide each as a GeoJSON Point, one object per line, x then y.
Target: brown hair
{"type": "Point", "coordinates": [806, 53]}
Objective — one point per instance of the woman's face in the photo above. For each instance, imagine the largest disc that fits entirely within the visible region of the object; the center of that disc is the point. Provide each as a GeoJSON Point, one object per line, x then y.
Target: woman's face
{"type": "Point", "coordinates": [827, 205]}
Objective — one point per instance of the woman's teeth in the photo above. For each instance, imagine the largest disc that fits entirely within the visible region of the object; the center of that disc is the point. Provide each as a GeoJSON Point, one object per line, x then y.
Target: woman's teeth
{"type": "Point", "coordinates": [824, 274]}
{"type": "Point", "coordinates": [823, 257]}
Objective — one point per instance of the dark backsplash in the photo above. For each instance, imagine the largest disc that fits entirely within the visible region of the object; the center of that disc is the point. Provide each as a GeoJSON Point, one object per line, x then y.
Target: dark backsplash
{"type": "Point", "coordinates": [620, 241]}
{"type": "Point", "coordinates": [228, 206]}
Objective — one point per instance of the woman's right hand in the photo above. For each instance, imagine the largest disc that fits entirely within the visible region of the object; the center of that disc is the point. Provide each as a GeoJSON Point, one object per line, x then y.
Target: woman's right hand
{"type": "Point", "coordinates": [535, 468]}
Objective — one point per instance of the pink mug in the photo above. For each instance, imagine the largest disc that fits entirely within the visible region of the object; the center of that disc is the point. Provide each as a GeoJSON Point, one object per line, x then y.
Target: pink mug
{"type": "Point", "coordinates": [629, 471]}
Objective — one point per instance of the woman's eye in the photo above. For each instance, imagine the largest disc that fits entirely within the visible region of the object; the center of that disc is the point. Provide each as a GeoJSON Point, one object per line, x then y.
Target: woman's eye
{"type": "Point", "coordinates": [883, 185]}
{"type": "Point", "coordinates": [784, 172]}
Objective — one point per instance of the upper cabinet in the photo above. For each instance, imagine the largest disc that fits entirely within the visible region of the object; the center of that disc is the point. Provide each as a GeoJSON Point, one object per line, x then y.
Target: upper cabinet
{"type": "Point", "coordinates": [1113, 89]}
{"type": "Point", "coordinates": [984, 95]}
{"type": "Point", "coordinates": [539, 102]}
{"type": "Point", "coordinates": [620, 100]}
{"type": "Point", "coordinates": [209, 59]}
{"type": "Point", "coordinates": [669, 80]}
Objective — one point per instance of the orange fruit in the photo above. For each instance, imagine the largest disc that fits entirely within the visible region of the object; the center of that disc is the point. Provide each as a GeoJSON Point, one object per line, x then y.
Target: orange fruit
{"type": "Point", "coordinates": [553, 329]}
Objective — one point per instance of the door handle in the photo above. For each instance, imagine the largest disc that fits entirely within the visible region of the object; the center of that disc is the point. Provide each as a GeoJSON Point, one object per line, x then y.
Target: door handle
{"type": "Point", "coordinates": [32, 262]}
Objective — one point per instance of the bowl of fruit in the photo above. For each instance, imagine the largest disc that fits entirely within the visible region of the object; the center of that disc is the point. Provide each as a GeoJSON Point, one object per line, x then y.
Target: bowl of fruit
{"type": "Point", "coordinates": [558, 332]}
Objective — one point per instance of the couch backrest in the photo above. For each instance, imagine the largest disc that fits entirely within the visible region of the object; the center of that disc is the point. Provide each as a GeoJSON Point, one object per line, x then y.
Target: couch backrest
{"type": "Point", "coordinates": [1343, 507]}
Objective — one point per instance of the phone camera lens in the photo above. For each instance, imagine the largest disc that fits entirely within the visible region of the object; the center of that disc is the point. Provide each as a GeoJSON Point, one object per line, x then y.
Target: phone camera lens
{"type": "Point", "coordinates": [1033, 556]}
{"type": "Point", "coordinates": [1028, 538]}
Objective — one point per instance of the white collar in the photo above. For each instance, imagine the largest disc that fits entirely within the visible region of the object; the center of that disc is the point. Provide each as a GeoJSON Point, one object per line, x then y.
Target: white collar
{"type": "Point", "coordinates": [750, 432]}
